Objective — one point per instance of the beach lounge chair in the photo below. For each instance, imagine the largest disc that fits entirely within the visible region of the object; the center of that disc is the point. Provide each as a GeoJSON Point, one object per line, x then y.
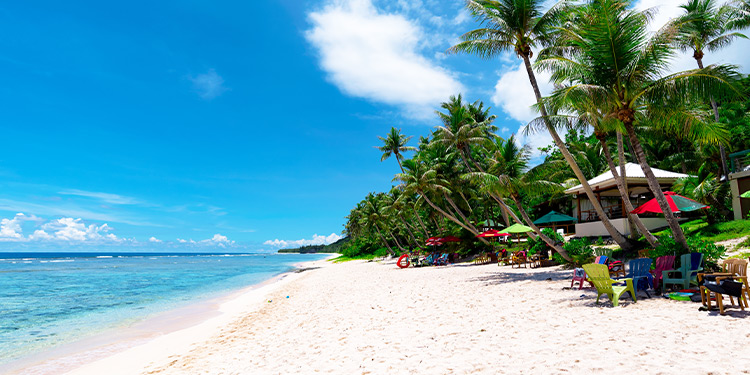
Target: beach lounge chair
{"type": "Point", "coordinates": [601, 259]}
{"type": "Point", "coordinates": [442, 260]}
{"type": "Point", "coordinates": [663, 263]}
{"type": "Point", "coordinates": [598, 274]}
{"type": "Point", "coordinates": [690, 265]}
{"type": "Point", "coordinates": [639, 272]}
{"type": "Point", "coordinates": [518, 259]}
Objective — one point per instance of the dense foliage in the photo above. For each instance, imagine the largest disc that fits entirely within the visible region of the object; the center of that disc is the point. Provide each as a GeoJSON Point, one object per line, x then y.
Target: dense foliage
{"type": "Point", "coordinates": [620, 103]}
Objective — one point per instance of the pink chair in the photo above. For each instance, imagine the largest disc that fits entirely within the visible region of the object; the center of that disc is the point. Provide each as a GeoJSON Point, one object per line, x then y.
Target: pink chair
{"type": "Point", "coordinates": [663, 263]}
{"type": "Point", "coordinates": [580, 275]}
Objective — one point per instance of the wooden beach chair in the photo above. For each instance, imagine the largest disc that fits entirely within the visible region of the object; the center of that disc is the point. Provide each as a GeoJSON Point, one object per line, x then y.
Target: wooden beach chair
{"type": "Point", "coordinates": [518, 259]}
{"type": "Point", "coordinates": [598, 274]}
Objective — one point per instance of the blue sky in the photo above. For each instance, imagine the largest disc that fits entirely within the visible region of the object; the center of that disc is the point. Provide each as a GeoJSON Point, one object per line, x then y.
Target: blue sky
{"type": "Point", "coordinates": [245, 125]}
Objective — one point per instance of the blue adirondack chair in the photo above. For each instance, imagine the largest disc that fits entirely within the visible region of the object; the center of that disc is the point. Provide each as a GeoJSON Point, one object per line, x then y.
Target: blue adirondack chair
{"type": "Point", "coordinates": [690, 265]}
{"type": "Point", "coordinates": [639, 272]}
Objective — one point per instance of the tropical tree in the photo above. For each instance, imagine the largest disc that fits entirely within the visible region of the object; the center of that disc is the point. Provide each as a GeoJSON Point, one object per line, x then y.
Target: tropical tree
{"type": "Point", "coordinates": [518, 26]}
{"type": "Point", "coordinates": [507, 177]}
{"type": "Point", "coordinates": [423, 181]}
{"type": "Point", "coordinates": [707, 27]}
{"type": "Point", "coordinates": [606, 57]}
{"type": "Point", "coordinates": [394, 144]}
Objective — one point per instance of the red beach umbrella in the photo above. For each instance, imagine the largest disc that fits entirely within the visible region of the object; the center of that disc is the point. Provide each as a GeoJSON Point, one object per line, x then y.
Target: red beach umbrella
{"type": "Point", "coordinates": [451, 239]}
{"type": "Point", "coordinates": [491, 233]}
{"type": "Point", "coordinates": [676, 203]}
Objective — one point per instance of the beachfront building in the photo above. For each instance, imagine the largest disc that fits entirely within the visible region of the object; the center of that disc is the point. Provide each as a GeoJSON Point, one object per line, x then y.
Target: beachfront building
{"type": "Point", "coordinates": [605, 188]}
{"type": "Point", "coordinates": [739, 182]}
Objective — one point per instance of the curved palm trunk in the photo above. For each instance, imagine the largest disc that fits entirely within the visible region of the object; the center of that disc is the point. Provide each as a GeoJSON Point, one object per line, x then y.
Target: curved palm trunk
{"type": "Point", "coordinates": [621, 156]}
{"type": "Point", "coordinates": [459, 212]}
{"type": "Point", "coordinates": [452, 218]}
{"type": "Point", "coordinates": [620, 180]}
{"type": "Point", "coordinates": [397, 243]}
{"type": "Point", "coordinates": [408, 229]}
{"type": "Point", "coordinates": [538, 232]}
{"type": "Point", "coordinates": [653, 184]}
{"type": "Point", "coordinates": [390, 250]}
{"type": "Point", "coordinates": [616, 235]}
{"type": "Point", "coordinates": [426, 233]}
{"type": "Point", "coordinates": [722, 151]}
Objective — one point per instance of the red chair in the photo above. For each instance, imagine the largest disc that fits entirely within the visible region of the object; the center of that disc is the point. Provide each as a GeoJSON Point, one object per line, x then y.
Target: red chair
{"type": "Point", "coordinates": [663, 263]}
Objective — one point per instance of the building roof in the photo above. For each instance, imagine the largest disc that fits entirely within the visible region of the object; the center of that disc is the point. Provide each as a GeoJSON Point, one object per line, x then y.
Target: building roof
{"type": "Point", "coordinates": [633, 173]}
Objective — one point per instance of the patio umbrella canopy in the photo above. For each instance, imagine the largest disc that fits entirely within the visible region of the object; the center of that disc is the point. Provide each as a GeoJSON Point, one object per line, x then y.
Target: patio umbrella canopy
{"type": "Point", "coordinates": [450, 239]}
{"type": "Point", "coordinates": [745, 194]}
{"type": "Point", "coordinates": [517, 228]}
{"type": "Point", "coordinates": [554, 217]}
{"type": "Point", "coordinates": [676, 203]}
{"type": "Point", "coordinates": [492, 233]}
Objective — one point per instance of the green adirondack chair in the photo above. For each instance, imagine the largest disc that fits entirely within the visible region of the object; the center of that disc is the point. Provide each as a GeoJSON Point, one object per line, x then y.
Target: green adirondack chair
{"type": "Point", "coordinates": [598, 274]}
{"type": "Point", "coordinates": [690, 265]}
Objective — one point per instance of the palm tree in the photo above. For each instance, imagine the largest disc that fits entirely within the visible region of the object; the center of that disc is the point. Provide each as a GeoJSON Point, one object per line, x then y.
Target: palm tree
{"type": "Point", "coordinates": [518, 26]}
{"type": "Point", "coordinates": [507, 177]}
{"type": "Point", "coordinates": [372, 218]}
{"type": "Point", "coordinates": [607, 58]}
{"type": "Point", "coordinates": [423, 181]}
{"type": "Point", "coordinates": [395, 144]}
{"type": "Point", "coordinates": [706, 27]}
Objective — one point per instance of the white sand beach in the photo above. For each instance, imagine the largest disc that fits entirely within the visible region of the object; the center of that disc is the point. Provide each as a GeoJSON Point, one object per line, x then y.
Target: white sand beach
{"type": "Point", "coordinates": [373, 318]}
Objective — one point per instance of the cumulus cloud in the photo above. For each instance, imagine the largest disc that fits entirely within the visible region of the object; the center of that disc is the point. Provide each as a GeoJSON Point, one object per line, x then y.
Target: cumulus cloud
{"type": "Point", "coordinates": [75, 230]}
{"type": "Point", "coordinates": [513, 93]}
{"type": "Point", "coordinates": [216, 240]}
{"type": "Point", "coordinates": [315, 240]}
{"type": "Point", "coordinates": [208, 85]}
{"type": "Point", "coordinates": [376, 56]}
{"type": "Point", "coordinates": [10, 229]}
{"type": "Point", "coordinates": [154, 240]}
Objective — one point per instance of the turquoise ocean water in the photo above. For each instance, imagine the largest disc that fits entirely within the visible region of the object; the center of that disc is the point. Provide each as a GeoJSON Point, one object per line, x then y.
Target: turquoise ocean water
{"type": "Point", "coordinates": [50, 299]}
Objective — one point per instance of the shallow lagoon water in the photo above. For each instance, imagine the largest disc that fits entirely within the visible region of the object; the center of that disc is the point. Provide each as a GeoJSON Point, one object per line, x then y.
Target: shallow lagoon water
{"type": "Point", "coordinates": [49, 299]}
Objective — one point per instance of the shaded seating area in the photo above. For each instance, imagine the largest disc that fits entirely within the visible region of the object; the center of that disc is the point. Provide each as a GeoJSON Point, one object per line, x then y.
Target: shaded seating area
{"type": "Point", "coordinates": [554, 219]}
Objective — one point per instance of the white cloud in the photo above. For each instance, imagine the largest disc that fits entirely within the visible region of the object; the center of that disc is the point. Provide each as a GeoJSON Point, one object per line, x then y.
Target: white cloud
{"type": "Point", "coordinates": [208, 85]}
{"type": "Point", "coordinates": [513, 93]}
{"type": "Point", "coordinates": [315, 240]}
{"type": "Point", "coordinates": [10, 229]}
{"type": "Point", "coordinates": [154, 239]}
{"type": "Point", "coordinates": [106, 197]}
{"type": "Point", "coordinates": [40, 235]}
{"type": "Point", "coordinates": [374, 55]}
{"type": "Point", "coordinates": [74, 230]}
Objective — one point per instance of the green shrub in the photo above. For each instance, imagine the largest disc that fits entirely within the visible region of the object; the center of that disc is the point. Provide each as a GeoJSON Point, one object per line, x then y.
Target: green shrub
{"type": "Point", "coordinates": [579, 250]}
{"type": "Point", "coordinates": [711, 252]}
{"type": "Point", "coordinates": [600, 241]}
{"type": "Point", "coordinates": [538, 245]}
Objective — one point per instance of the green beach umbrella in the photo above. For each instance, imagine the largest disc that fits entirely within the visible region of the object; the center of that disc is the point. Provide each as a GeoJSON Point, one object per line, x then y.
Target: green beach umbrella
{"type": "Point", "coordinates": [517, 228]}
{"type": "Point", "coordinates": [745, 194]}
{"type": "Point", "coordinates": [555, 217]}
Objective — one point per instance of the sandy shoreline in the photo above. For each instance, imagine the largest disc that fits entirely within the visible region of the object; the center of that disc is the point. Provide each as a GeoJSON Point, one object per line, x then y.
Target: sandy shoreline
{"type": "Point", "coordinates": [372, 318]}
{"type": "Point", "coordinates": [112, 342]}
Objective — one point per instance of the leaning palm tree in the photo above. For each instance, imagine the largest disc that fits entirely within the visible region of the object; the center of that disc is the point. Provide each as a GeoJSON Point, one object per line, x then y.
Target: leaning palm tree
{"type": "Point", "coordinates": [706, 27]}
{"type": "Point", "coordinates": [606, 57]}
{"type": "Point", "coordinates": [394, 144]}
{"type": "Point", "coordinates": [508, 177]}
{"type": "Point", "coordinates": [518, 26]}
{"type": "Point", "coordinates": [417, 178]}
